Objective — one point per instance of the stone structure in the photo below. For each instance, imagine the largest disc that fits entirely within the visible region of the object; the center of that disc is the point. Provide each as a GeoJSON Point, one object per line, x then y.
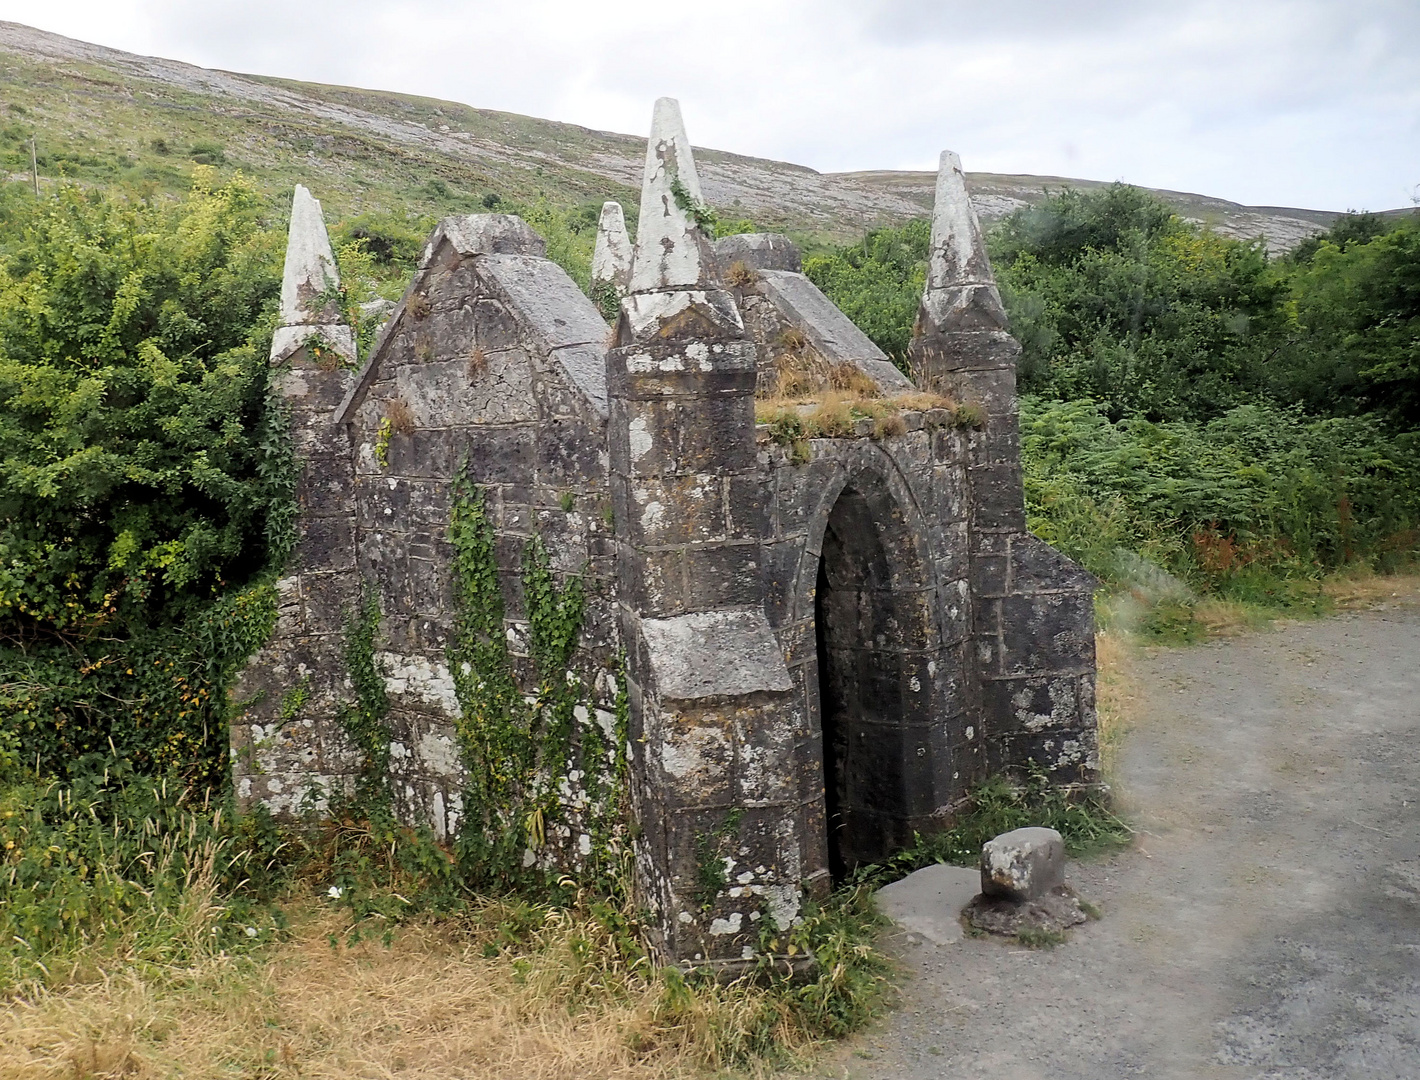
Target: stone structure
{"type": "Point", "coordinates": [821, 643]}
{"type": "Point", "coordinates": [611, 259]}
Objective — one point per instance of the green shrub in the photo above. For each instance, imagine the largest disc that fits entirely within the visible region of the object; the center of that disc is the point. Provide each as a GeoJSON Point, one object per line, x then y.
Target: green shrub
{"type": "Point", "coordinates": [146, 482]}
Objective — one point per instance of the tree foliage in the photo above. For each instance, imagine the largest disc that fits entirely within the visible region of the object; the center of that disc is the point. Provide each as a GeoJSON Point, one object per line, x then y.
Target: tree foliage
{"type": "Point", "coordinates": [1354, 322]}
{"type": "Point", "coordinates": [1115, 298]}
{"type": "Point", "coordinates": [146, 484]}
{"type": "Point", "coordinates": [878, 283]}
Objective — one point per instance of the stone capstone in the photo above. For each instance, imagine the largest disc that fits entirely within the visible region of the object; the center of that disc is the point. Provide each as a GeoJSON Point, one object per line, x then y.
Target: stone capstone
{"type": "Point", "coordinates": [1022, 864]}
{"type": "Point", "coordinates": [758, 251]}
{"type": "Point", "coordinates": [310, 270]}
{"type": "Point", "coordinates": [929, 902]}
{"type": "Point", "coordinates": [672, 252]}
{"type": "Point", "coordinates": [484, 234]}
{"type": "Point", "coordinates": [961, 292]}
{"type": "Point", "coordinates": [310, 314]}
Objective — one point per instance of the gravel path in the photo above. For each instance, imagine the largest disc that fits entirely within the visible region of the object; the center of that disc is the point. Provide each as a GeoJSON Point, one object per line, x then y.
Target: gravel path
{"type": "Point", "coordinates": [1267, 922]}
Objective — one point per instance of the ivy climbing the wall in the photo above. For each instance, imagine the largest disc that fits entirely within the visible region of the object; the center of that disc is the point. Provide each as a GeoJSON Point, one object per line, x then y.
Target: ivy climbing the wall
{"type": "Point", "coordinates": [364, 719]}
{"type": "Point", "coordinates": [541, 767]}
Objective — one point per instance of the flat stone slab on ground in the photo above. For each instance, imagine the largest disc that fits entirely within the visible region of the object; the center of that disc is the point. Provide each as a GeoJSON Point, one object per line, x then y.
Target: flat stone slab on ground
{"type": "Point", "coordinates": [929, 901]}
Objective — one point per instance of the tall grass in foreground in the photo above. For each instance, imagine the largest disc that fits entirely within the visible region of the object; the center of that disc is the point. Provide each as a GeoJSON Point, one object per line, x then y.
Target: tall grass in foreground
{"type": "Point", "coordinates": [148, 933]}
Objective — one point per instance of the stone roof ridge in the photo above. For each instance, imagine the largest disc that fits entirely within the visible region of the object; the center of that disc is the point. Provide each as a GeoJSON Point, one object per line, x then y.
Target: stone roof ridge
{"type": "Point", "coordinates": [832, 334]}
{"type": "Point", "coordinates": [484, 234]}
{"type": "Point", "coordinates": [961, 289]}
{"type": "Point", "coordinates": [310, 305]}
{"type": "Point", "coordinates": [611, 259]}
{"type": "Point", "coordinates": [672, 251]}
{"type": "Point", "coordinates": [759, 251]}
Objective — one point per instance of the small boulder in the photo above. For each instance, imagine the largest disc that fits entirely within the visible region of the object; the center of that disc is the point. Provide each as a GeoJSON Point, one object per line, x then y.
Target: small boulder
{"type": "Point", "coordinates": [1022, 865]}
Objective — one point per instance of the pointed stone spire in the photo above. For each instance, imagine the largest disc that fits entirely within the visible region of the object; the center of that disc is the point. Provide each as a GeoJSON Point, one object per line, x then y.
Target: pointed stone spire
{"type": "Point", "coordinates": [611, 261]}
{"type": "Point", "coordinates": [961, 289]}
{"type": "Point", "coordinates": [674, 291]}
{"type": "Point", "coordinates": [309, 278]}
{"type": "Point", "coordinates": [672, 252]}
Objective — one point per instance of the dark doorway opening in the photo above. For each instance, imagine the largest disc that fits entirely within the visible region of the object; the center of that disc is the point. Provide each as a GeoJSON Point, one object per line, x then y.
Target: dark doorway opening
{"type": "Point", "coordinates": [861, 659]}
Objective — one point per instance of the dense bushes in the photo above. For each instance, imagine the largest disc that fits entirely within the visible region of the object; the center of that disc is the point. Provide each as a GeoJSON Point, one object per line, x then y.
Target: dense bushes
{"type": "Point", "coordinates": [1116, 299]}
{"type": "Point", "coordinates": [1259, 493]}
{"type": "Point", "coordinates": [145, 483]}
{"type": "Point", "coordinates": [878, 283]}
{"type": "Point", "coordinates": [1353, 336]}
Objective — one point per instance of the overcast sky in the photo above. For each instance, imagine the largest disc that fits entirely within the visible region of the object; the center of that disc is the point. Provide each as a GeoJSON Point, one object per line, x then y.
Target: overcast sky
{"type": "Point", "coordinates": [1312, 103]}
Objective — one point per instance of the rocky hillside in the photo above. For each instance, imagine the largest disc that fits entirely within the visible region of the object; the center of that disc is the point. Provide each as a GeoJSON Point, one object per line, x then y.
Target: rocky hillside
{"type": "Point", "coordinates": [100, 114]}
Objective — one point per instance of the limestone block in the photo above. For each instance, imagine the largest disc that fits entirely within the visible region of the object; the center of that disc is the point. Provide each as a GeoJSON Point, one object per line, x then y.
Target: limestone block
{"type": "Point", "coordinates": [929, 902]}
{"type": "Point", "coordinates": [714, 654]}
{"type": "Point", "coordinates": [1023, 864]}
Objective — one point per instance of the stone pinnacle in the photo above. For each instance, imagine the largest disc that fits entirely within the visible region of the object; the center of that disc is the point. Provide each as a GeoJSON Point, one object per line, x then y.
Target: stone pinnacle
{"type": "Point", "coordinates": [310, 265]}
{"type": "Point", "coordinates": [307, 282]}
{"type": "Point", "coordinates": [672, 252]}
{"type": "Point", "coordinates": [961, 289]}
{"type": "Point", "coordinates": [611, 261]}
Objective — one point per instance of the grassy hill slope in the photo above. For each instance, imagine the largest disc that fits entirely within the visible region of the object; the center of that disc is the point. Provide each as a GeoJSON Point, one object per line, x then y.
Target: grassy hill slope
{"type": "Point", "coordinates": [101, 114]}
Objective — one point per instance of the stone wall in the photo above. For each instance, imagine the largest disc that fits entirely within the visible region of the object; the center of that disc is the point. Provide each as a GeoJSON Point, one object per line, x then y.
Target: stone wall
{"type": "Point", "coordinates": [493, 362]}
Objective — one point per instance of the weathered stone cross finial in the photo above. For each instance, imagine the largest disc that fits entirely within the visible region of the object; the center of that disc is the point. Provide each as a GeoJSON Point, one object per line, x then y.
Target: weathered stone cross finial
{"type": "Point", "coordinates": [308, 307]}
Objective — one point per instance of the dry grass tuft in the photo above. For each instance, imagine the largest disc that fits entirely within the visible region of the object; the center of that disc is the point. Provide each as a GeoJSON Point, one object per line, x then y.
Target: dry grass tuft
{"type": "Point", "coordinates": [1116, 695]}
{"type": "Point", "coordinates": [445, 1000]}
{"type": "Point", "coordinates": [851, 379]}
{"type": "Point", "coordinates": [400, 416]}
{"type": "Point", "coordinates": [740, 275]}
{"type": "Point", "coordinates": [1363, 588]}
{"type": "Point", "coordinates": [834, 412]}
{"type": "Point", "coordinates": [429, 1006]}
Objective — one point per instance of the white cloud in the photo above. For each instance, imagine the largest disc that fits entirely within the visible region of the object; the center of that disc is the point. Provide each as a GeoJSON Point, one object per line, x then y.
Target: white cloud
{"type": "Point", "coordinates": [1292, 102]}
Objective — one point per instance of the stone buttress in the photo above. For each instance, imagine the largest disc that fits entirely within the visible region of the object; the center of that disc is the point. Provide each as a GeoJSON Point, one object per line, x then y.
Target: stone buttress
{"type": "Point", "coordinates": [1032, 607]}
{"type": "Point", "coordinates": [717, 729]}
{"type": "Point", "coordinates": [287, 746]}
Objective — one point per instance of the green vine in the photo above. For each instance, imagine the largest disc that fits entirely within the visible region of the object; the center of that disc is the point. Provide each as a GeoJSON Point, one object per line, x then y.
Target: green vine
{"type": "Point", "coordinates": [522, 753]}
{"type": "Point", "coordinates": [382, 442]}
{"type": "Point", "coordinates": [364, 718]}
{"type": "Point", "coordinates": [607, 298]}
{"type": "Point", "coordinates": [702, 215]}
{"type": "Point", "coordinates": [710, 851]}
